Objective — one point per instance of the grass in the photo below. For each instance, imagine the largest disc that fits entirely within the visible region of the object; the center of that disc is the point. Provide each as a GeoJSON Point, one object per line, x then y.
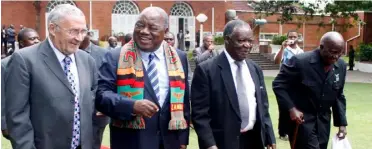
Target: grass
{"type": "Point", "coordinates": [358, 104]}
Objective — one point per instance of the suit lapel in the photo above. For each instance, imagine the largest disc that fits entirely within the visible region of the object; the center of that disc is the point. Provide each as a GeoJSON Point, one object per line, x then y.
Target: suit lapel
{"type": "Point", "coordinates": [255, 79]}
{"type": "Point", "coordinates": [316, 64]}
{"type": "Point", "coordinates": [82, 72]}
{"type": "Point", "coordinates": [229, 82]}
{"type": "Point", "coordinates": [53, 64]}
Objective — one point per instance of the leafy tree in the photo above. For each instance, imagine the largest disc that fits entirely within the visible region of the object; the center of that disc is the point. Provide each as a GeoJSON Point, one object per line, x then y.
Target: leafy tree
{"type": "Point", "coordinates": [335, 9]}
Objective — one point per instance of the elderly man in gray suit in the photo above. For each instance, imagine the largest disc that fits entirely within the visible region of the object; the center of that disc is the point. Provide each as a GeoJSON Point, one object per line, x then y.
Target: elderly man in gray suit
{"type": "Point", "coordinates": [99, 120]}
{"type": "Point", "coordinates": [52, 85]}
{"type": "Point", "coordinates": [206, 51]}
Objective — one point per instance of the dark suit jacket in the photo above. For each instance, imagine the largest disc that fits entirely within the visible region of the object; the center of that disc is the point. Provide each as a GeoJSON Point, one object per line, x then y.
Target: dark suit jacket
{"type": "Point", "coordinates": [215, 106]}
{"type": "Point", "coordinates": [303, 84]}
{"type": "Point", "coordinates": [40, 112]}
{"type": "Point", "coordinates": [4, 62]}
{"type": "Point", "coordinates": [121, 108]}
{"type": "Point", "coordinates": [98, 55]}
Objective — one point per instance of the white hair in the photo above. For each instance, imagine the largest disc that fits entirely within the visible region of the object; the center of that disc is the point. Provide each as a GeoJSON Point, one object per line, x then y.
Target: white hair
{"type": "Point", "coordinates": [63, 10]}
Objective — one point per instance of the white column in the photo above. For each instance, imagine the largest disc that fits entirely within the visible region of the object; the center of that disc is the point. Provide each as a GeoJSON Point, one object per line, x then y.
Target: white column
{"type": "Point", "coordinates": [201, 34]}
{"type": "Point", "coordinates": [212, 20]}
{"type": "Point", "coordinates": [303, 36]}
{"type": "Point", "coordinates": [90, 15]}
{"type": "Point", "coordinates": [150, 4]}
{"type": "Point", "coordinates": [280, 28]}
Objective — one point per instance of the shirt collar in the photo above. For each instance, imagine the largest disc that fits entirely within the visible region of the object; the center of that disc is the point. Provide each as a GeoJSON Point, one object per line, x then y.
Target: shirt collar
{"type": "Point", "coordinates": [229, 58]}
{"type": "Point", "coordinates": [59, 54]}
{"type": "Point", "coordinates": [294, 50]}
{"type": "Point", "coordinates": [159, 53]}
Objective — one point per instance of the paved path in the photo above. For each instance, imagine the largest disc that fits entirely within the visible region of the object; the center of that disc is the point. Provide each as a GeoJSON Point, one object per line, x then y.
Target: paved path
{"type": "Point", "coordinates": [351, 76]}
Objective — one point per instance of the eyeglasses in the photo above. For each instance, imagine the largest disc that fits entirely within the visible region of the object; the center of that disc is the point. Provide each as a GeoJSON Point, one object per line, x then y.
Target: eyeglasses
{"type": "Point", "coordinates": [74, 32]}
{"type": "Point", "coordinates": [168, 39]}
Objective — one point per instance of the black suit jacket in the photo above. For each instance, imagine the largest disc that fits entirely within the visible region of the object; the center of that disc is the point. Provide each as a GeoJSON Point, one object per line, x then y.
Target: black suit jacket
{"type": "Point", "coordinates": [215, 106]}
{"type": "Point", "coordinates": [303, 83]}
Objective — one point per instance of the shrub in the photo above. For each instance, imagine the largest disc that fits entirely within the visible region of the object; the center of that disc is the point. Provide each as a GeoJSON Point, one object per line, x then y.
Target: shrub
{"type": "Point", "coordinates": [365, 52]}
{"type": "Point", "coordinates": [278, 39]}
{"type": "Point", "coordinates": [218, 40]}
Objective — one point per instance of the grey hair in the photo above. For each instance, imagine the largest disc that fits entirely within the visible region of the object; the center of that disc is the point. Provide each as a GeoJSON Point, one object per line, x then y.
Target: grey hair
{"type": "Point", "coordinates": [160, 11]}
{"type": "Point", "coordinates": [232, 25]}
{"type": "Point", "coordinates": [61, 11]}
{"type": "Point", "coordinates": [206, 36]}
{"type": "Point", "coordinates": [170, 33]}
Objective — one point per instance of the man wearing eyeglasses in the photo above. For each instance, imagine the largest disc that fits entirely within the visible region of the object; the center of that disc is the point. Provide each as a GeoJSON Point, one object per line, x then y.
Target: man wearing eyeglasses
{"type": "Point", "coordinates": [52, 86]}
{"type": "Point", "coordinates": [309, 86]}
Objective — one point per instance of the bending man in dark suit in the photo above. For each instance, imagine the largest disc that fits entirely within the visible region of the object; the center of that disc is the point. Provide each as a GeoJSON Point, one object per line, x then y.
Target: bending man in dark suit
{"type": "Point", "coordinates": [308, 86]}
{"type": "Point", "coordinates": [230, 108]}
{"type": "Point", "coordinates": [99, 120]}
{"type": "Point", "coordinates": [143, 88]}
{"type": "Point", "coordinates": [26, 37]}
{"type": "Point", "coordinates": [52, 86]}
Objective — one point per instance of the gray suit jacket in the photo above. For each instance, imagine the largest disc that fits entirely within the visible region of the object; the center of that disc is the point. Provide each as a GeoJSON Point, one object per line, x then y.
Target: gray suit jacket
{"type": "Point", "coordinates": [4, 62]}
{"type": "Point", "coordinates": [98, 54]}
{"type": "Point", "coordinates": [200, 54]}
{"type": "Point", "coordinates": [40, 114]}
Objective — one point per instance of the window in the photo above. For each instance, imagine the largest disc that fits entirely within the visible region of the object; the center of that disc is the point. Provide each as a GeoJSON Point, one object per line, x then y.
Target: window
{"type": "Point", "coordinates": [267, 36]}
{"type": "Point", "coordinates": [54, 3]}
{"type": "Point", "coordinates": [125, 7]}
{"type": "Point", "coordinates": [181, 9]}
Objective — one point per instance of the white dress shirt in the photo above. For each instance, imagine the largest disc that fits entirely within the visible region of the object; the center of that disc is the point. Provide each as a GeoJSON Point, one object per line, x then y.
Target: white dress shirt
{"type": "Point", "coordinates": [73, 67]}
{"type": "Point", "coordinates": [251, 90]}
{"type": "Point", "coordinates": [161, 67]}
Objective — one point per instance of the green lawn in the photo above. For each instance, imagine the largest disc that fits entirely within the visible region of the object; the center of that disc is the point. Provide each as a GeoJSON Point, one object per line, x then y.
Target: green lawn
{"type": "Point", "coordinates": [358, 105]}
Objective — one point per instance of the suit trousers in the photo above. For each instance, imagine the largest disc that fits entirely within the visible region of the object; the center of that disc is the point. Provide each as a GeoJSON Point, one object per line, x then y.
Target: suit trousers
{"type": "Point", "coordinates": [98, 135]}
{"type": "Point", "coordinates": [251, 139]}
{"type": "Point", "coordinates": [284, 119]}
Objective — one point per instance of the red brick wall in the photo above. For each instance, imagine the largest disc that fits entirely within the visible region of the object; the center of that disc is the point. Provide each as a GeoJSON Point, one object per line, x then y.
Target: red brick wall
{"type": "Point", "coordinates": [18, 13]}
{"type": "Point", "coordinates": [368, 28]}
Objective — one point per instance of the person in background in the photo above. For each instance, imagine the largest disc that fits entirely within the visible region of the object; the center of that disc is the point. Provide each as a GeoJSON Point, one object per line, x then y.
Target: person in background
{"type": "Point", "coordinates": [4, 48]}
{"type": "Point", "coordinates": [143, 88]}
{"type": "Point", "coordinates": [289, 48]}
{"type": "Point", "coordinates": [206, 51]}
{"type": "Point", "coordinates": [197, 37]}
{"type": "Point", "coordinates": [10, 32]}
{"type": "Point", "coordinates": [113, 42]}
{"type": "Point", "coordinates": [230, 108]}
{"type": "Point", "coordinates": [128, 37]}
{"type": "Point", "coordinates": [308, 87]}
{"type": "Point", "coordinates": [100, 121]}
{"type": "Point", "coordinates": [52, 86]}
{"type": "Point", "coordinates": [351, 57]}
{"type": "Point", "coordinates": [187, 40]}
{"type": "Point", "coordinates": [26, 38]}
{"type": "Point", "coordinates": [181, 40]}
{"type": "Point", "coordinates": [21, 27]}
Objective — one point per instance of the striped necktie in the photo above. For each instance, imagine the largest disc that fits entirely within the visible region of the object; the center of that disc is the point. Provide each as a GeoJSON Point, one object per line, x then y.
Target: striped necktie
{"type": "Point", "coordinates": [153, 75]}
{"type": "Point", "coordinates": [76, 125]}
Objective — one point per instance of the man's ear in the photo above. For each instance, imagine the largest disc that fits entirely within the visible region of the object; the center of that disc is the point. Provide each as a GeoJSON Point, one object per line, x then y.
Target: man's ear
{"type": "Point", "coordinates": [52, 29]}
{"type": "Point", "coordinates": [321, 47]}
{"type": "Point", "coordinates": [226, 39]}
{"type": "Point", "coordinates": [21, 43]}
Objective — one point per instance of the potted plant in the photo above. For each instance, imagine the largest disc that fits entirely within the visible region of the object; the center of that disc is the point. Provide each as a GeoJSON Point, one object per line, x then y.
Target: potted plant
{"type": "Point", "coordinates": [276, 43]}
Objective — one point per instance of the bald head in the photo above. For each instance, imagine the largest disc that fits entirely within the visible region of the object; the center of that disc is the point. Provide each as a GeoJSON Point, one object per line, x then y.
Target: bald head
{"type": "Point", "coordinates": [331, 47]}
{"type": "Point", "coordinates": [154, 11]}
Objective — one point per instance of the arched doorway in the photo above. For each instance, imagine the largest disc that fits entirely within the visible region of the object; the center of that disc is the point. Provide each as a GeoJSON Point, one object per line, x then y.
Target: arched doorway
{"type": "Point", "coordinates": [123, 18]}
{"type": "Point", "coordinates": [50, 7]}
{"type": "Point", "coordinates": [182, 18]}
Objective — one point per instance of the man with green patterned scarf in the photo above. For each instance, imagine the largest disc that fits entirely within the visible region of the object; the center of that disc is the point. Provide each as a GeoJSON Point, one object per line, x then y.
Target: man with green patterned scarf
{"type": "Point", "coordinates": [143, 87]}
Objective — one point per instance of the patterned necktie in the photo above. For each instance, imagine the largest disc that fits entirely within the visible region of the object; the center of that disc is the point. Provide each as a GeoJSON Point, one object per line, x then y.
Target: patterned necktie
{"type": "Point", "coordinates": [76, 126]}
{"type": "Point", "coordinates": [153, 75]}
{"type": "Point", "coordinates": [241, 90]}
